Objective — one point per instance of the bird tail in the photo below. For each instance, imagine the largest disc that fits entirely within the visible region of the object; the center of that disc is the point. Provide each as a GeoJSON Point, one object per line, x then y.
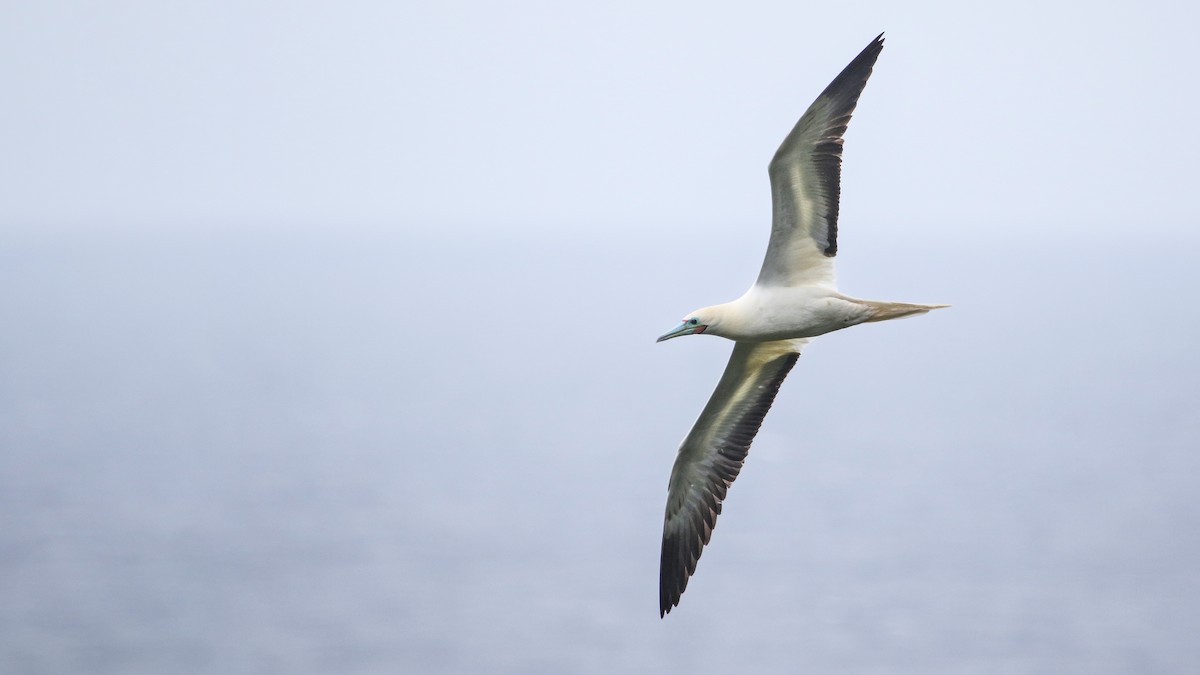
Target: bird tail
{"type": "Point", "coordinates": [882, 311]}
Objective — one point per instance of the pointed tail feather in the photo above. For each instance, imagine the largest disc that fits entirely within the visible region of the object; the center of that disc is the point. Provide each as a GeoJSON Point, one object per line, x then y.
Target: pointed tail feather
{"type": "Point", "coordinates": [882, 311]}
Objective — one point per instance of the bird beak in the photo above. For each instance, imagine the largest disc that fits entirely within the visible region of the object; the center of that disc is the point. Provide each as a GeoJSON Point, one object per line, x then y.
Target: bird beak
{"type": "Point", "coordinates": [681, 329]}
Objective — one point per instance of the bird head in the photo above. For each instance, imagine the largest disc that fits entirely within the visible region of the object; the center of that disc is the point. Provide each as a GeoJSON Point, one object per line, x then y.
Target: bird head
{"type": "Point", "coordinates": [697, 322]}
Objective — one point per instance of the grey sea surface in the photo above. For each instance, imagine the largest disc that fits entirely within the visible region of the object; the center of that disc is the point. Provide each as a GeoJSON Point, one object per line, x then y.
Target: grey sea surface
{"type": "Point", "coordinates": [438, 454]}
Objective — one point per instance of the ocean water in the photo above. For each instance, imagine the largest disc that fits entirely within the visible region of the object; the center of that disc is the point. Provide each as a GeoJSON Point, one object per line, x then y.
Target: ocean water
{"type": "Point", "coordinates": [446, 454]}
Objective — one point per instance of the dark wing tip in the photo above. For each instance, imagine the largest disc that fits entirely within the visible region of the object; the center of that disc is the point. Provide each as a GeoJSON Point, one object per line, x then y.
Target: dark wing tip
{"type": "Point", "coordinates": [850, 82]}
{"type": "Point", "coordinates": [670, 572]}
{"type": "Point", "coordinates": [680, 553]}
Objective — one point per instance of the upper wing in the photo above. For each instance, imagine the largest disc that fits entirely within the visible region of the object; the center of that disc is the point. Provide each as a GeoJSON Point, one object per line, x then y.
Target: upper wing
{"type": "Point", "coordinates": [712, 454]}
{"type": "Point", "coordinates": [806, 178]}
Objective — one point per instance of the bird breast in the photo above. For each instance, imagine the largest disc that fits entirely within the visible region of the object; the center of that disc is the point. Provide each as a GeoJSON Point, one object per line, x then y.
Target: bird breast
{"type": "Point", "coordinates": [785, 313]}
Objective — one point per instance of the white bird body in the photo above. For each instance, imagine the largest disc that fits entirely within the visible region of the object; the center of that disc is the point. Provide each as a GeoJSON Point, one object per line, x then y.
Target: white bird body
{"type": "Point", "coordinates": [794, 300]}
{"type": "Point", "coordinates": [766, 313]}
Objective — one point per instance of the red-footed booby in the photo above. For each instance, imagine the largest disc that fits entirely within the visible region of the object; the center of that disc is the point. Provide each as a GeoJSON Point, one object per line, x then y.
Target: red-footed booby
{"type": "Point", "coordinates": [794, 300]}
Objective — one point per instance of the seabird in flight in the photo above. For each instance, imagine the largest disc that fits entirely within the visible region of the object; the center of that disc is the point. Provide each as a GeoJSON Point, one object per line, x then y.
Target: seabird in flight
{"type": "Point", "coordinates": [794, 300]}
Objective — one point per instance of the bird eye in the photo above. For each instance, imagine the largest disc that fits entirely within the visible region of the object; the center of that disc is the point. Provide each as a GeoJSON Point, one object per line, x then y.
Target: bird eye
{"type": "Point", "coordinates": [693, 321]}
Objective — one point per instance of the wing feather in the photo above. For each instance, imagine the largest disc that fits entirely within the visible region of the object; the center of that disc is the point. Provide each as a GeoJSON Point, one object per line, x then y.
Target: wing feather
{"type": "Point", "coordinates": [712, 454]}
{"type": "Point", "coordinates": [806, 178]}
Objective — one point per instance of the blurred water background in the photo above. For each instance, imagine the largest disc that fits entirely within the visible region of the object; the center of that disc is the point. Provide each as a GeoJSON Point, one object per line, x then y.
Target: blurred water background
{"type": "Point", "coordinates": [364, 453]}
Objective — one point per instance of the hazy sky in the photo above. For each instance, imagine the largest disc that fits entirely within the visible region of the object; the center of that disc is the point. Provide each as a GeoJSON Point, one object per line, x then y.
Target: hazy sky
{"type": "Point", "coordinates": [408, 116]}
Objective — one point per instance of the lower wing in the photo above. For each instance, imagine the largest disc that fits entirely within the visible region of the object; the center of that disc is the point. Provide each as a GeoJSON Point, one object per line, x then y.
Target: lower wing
{"type": "Point", "coordinates": [712, 454]}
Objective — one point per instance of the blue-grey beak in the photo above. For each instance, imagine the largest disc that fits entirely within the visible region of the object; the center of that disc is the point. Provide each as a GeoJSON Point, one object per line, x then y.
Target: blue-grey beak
{"type": "Point", "coordinates": [684, 328]}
